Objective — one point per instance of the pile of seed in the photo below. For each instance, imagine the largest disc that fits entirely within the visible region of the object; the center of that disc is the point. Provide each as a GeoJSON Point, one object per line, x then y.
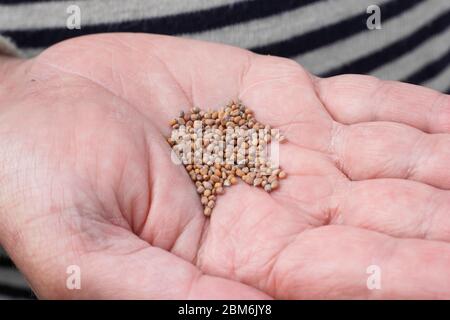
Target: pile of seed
{"type": "Point", "coordinates": [218, 147]}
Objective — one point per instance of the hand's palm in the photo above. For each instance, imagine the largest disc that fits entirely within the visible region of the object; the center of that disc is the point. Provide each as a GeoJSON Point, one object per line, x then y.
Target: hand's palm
{"type": "Point", "coordinates": [96, 173]}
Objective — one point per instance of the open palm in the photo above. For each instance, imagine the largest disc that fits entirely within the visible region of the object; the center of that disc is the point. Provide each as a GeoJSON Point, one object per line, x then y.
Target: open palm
{"type": "Point", "coordinates": [87, 178]}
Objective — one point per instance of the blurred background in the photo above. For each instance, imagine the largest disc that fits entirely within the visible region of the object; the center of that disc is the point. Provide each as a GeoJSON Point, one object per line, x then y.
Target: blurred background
{"type": "Point", "coordinates": [411, 42]}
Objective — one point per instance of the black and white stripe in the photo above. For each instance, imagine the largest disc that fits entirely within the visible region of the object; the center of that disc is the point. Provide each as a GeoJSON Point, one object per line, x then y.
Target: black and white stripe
{"type": "Point", "coordinates": [327, 37]}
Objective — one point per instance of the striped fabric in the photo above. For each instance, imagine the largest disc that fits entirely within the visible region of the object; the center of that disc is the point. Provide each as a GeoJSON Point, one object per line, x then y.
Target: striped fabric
{"type": "Point", "coordinates": [327, 37]}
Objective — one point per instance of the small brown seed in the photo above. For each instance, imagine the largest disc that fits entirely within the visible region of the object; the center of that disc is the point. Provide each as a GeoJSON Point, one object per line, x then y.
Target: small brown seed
{"type": "Point", "coordinates": [257, 182]}
{"type": "Point", "coordinates": [207, 130]}
{"type": "Point", "coordinates": [207, 185]}
{"type": "Point", "coordinates": [247, 179]}
{"type": "Point", "coordinates": [207, 211]}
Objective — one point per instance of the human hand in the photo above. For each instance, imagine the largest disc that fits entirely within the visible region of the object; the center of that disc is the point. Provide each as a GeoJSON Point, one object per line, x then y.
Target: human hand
{"type": "Point", "coordinates": [87, 178]}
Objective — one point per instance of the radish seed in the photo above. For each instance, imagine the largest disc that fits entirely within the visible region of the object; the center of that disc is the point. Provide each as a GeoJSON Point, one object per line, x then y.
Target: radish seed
{"type": "Point", "coordinates": [214, 135]}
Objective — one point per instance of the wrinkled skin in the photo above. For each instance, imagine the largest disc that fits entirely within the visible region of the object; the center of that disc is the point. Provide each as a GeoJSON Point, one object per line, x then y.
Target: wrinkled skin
{"type": "Point", "coordinates": [86, 177]}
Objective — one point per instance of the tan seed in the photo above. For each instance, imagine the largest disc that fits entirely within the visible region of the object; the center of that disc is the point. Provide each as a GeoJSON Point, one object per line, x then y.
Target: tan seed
{"type": "Point", "coordinates": [257, 182]}
{"type": "Point", "coordinates": [209, 173]}
{"type": "Point", "coordinates": [200, 189]}
{"type": "Point", "coordinates": [248, 179]}
{"type": "Point", "coordinates": [207, 185]}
